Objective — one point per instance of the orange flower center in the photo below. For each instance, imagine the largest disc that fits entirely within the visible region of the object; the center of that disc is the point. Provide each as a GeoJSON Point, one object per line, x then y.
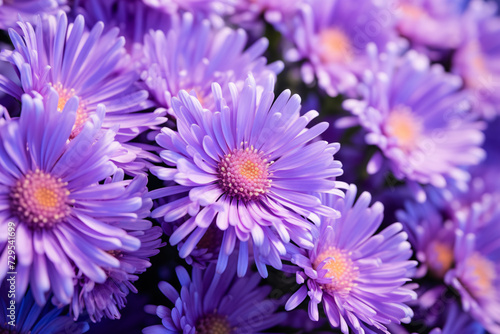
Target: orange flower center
{"type": "Point", "coordinates": [340, 268]}
{"type": "Point", "coordinates": [402, 125]}
{"type": "Point", "coordinates": [335, 46]}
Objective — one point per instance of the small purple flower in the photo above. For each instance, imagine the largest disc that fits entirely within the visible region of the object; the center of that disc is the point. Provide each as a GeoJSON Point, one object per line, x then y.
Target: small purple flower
{"type": "Point", "coordinates": [49, 187]}
{"type": "Point", "coordinates": [209, 302]}
{"type": "Point", "coordinates": [476, 274]}
{"type": "Point", "coordinates": [106, 299]}
{"type": "Point", "coordinates": [194, 54]}
{"type": "Point", "coordinates": [414, 112]}
{"type": "Point", "coordinates": [331, 35]}
{"type": "Point", "coordinates": [476, 61]}
{"type": "Point", "coordinates": [432, 238]}
{"type": "Point", "coordinates": [249, 168]}
{"type": "Point", "coordinates": [28, 9]}
{"type": "Point", "coordinates": [31, 318]}
{"type": "Point", "coordinates": [432, 26]}
{"type": "Point", "coordinates": [79, 62]}
{"type": "Point", "coordinates": [360, 277]}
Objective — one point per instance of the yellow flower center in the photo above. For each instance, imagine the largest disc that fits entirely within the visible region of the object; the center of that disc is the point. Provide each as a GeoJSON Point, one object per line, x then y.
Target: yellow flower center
{"type": "Point", "coordinates": [340, 268]}
{"type": "Point", "coordinates": [335, 46]}
{"type": "Point", "coordinates": [40, 199]}
{"type": "Point", "coordinates": [483, 273]}
{"type": "Point", "coordinates": [402, 125]}
{"type": "Point", "coordinates": [81, 113]}
{"type": "Point", "coordinates": [213, 324]}
{"type": "Point", "coordinates": [440, 258]}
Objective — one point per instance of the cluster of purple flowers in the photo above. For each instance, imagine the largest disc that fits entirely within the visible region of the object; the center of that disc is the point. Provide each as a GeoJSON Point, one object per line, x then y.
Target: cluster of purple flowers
{"type": "Point", "coordinates": [127, 125]}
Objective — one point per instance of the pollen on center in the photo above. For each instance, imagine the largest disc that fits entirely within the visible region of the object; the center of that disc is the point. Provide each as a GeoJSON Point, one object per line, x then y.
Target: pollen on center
{"type": "Point", "coordinates": [213, 324]}
{"type": "Point", "coordinates": [335, 46]}
{"type": "Point", "coordinates": [39, 199]}
{"type": "Point", "coordinates": [341, 269]}
{"type": "Point", "coordinates": [82, 114]}
{"type": "Point", "coordinates": [403, 126]}
{"type": "Point", "coordinates": [243, 173]}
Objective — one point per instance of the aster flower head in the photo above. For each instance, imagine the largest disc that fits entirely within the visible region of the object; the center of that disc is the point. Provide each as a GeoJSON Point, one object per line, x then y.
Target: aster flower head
{"type": "Point", "coordinates": [49, 187]}
{"type": "Point", "coordinates": [476, 60]}
{"type": "Point", "coordinates": [431, 235]}
{"type": "Point", "coordinates": [194, 54]}
{"type": "Point", "coordinates": [249, 169]}
{"type": "Point", "coordinates": [106, 299]}
{"type": "Point", "coordinates": [29, 9]}
{"type": "Point", "coordinates": [476, 274]}
{"type": "Point", "coordinates": [31, 318]}
{"type": "Point", "coordinates": [81, 62]}
{"type": "Point", "coordinates": [358, 276]}
{"type": "Point", "coordinates": [332, 36]}
{"type": "Point", "coordinates": [416, 115]}
{"type": "Point", "coordinates": [432, 26]}
{"type": "Point", "coordinates": [209, 302]}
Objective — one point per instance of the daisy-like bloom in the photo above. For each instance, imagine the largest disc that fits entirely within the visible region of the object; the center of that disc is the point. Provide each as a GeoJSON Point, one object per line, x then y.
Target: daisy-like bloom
{"type": "Point", "coordinates": [31, 318]}
{"type": "Point", "coordinates": [416, 115]}
{"type": "Point", "coordinates": [194, 54]}
{"type": "Point", "coordinates": [249, 169]}
{"type": "Point", "coordinates": [476, 61]}
{"type": "Point", "coordinates": [50, 190]}
{"type": "Point", "coordinates": [28, 9]}
{"type": "Point", "coordinates": [358, 276]}
{"type": "Point", "coordinates": [215, 303]}
{"type": "Point", "coordinates": [79, 62]}
{"type": "Point", "coordinates": [331, 35]}
{"type": "Point", "coordinates": [431, 236]}
{"type": "Point", "coordinates": [476, 274]}
{"type": "Point", "coordinates": [108, 298]}
{"type": "Point", "coordinates": [432, 25]}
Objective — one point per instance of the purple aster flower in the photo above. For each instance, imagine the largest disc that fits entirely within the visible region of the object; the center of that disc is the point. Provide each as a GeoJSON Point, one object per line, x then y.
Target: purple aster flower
{"type": "Point", "coordinates": [332, 36]}
{"type": "Point", "coordinates": [476, 274]}
{"type": "Point", "coordinates": [194, 54]}
{"type": "Point", "coordinates": [414, 112]}
{"type": "Point", "coordinates": [431, 236]}
{"type": "Point", "coordinates": [216, 303]}
{"type": "Point", "coordinates": [108, 298]}
{"type": "Point", "coordinates": [432, 26]}
{"type": "Point", "coordinates": [49, 187]}
{"type": "Point", "coordinates": [28, 9]}
{"type": "Point", "coordinates": [476, 61]}
{"type": "Point", "coordinates": [79, 62]}
{"type": "Point", "coordinates": [249, 169]}
{"type": "Point", "coordinates": [358, 276]}
{"type": "Point", "coordinates": [31, 318]}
